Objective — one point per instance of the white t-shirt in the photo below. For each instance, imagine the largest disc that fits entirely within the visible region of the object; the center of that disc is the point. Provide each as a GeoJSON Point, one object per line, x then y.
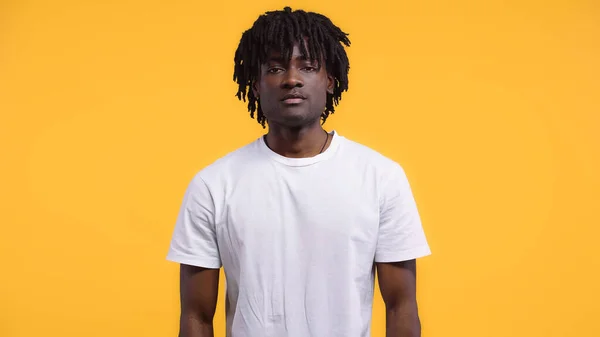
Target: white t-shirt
{"type": "Point", "coordinates": [298, 237]}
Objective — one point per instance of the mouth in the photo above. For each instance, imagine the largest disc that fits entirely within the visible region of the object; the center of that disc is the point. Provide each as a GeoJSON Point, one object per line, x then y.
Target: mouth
{"type": "Point", "coordinates": [294, 98]}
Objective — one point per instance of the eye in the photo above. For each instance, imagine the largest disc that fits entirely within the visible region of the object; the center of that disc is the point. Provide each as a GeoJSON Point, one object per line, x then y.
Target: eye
{"type": "Point", "coordinates": [311, 68]}
{"type": "Point", "coordinates": [274, 70]}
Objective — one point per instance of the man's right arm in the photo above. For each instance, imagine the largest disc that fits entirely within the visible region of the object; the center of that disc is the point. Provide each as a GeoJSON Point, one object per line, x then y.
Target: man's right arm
{"type": "Point", "coordinates": [198, 294]}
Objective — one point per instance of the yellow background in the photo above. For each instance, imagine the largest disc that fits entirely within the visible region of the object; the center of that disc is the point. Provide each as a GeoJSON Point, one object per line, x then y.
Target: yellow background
{"type": "Point", "coordinates": [108, 108]}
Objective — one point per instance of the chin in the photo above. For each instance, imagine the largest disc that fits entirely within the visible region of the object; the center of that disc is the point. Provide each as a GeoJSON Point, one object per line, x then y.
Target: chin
{"type": "Point", "coordinates": [294, 120]}
{"type": "Point", "coordinates": [294, 117]}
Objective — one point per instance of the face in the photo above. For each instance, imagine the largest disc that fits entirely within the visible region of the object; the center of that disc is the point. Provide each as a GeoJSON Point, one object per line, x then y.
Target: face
{"type": "Point", "coordinates": [294, 93]}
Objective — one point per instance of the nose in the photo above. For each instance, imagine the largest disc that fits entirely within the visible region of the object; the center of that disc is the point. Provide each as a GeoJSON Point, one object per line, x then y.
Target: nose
{"type": "Point", "coordinates": [292, 79]}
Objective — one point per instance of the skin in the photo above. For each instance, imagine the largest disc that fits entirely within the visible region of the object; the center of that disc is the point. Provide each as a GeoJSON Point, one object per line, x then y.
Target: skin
{"type": "Point", "coordinates": [199, 289]}
{"type": "Point", "coordinates": [397, 282]}
{"type": "Point", "coordinates": [295, 131]}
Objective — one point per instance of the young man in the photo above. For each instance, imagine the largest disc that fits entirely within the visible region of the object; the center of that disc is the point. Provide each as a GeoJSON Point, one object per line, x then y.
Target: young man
{"type": "Point", "coordinates": [301, 218]}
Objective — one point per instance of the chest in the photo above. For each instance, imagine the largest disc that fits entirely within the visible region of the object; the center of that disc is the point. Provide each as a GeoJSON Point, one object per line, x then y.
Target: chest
{"type": "Point", "coordinates": [299, 209]}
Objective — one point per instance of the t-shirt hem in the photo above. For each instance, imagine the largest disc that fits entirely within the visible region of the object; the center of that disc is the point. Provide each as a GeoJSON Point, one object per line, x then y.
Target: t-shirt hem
{"type": "Point", "coordinates": [405, 255]}
{"type": "Point", "coordinates": [194, 261]}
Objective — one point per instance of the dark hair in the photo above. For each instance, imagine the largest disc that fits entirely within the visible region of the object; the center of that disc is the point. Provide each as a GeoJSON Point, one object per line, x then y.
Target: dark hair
{"type": "Point", "coordinates": [279, 31]}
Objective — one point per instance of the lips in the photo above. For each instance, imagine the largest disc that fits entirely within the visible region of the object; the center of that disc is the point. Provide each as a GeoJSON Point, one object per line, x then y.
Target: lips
{"type": "Point", "coordinates": [293, 98]}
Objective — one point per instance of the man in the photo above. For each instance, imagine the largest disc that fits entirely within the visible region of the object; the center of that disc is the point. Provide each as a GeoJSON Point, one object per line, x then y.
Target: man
{"type": "Point", "coordinates": [301, 218]}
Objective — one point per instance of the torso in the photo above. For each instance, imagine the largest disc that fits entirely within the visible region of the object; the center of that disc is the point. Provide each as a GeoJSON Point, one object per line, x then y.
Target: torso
{"type": "Point", "coordinates": [297, 240]}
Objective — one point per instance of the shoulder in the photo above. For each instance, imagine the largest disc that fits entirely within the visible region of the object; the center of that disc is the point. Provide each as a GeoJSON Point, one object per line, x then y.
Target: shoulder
{"type": "Point", "coordinates": [229, 165]}
{"type": "Point", "coordinates": [368, 158]}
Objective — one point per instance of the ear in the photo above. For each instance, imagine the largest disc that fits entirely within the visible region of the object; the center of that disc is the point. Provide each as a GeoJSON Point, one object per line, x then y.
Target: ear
{"type": "Point", "coordinates": [330, 83]}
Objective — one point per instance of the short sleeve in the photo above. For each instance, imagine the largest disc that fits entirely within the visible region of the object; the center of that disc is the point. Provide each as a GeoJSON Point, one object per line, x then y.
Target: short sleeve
{"type": "Point", "coordinates": [194, 240]}
{"type": "Point", "coordinates": [401, 235]}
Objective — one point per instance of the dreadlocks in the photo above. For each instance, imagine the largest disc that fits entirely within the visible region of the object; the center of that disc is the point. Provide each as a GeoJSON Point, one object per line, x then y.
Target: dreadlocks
{"type": "Point", "coordinates": [278, 31]}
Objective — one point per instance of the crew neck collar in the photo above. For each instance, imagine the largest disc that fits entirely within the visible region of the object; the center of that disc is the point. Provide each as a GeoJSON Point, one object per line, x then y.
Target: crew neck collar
{"type": "Point", "coordinates": [329, 151]}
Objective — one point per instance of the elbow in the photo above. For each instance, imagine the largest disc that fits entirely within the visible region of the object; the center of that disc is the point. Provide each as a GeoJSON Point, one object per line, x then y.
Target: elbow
{"type": "Point", "coordinates": [197, 317]}
{"type": "Point", "coordinates": [404, 310]}
{"type": "Point", "coordinates": [402, 319]}
{"type": "Point", "coordinates": [194, 324]}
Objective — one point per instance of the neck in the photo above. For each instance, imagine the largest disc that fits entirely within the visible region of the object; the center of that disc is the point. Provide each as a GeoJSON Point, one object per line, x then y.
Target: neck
{"type": "Point", "coordinates": [298, 142]}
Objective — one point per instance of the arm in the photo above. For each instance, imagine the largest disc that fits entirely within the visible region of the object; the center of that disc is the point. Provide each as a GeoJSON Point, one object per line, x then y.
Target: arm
{"type": "Point", "coordinates": [194, 246]}
{"type": "Point", "coordinates": [401, 241]}
{"type": "Point", "coordinates": [397, 282]}
{"type": "Point", "coordinates": [198, 293]}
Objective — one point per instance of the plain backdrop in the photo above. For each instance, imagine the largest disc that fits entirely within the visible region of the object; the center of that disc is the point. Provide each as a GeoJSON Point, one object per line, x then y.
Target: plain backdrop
{"type": "Point", "coordinates": [108, 109]}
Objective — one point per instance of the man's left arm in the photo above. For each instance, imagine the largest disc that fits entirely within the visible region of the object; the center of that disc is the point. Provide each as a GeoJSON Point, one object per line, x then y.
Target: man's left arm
{"type": "Point", "coordinates": [401, 241]}
{"type": "Point", "coordinates": [397, 282]}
